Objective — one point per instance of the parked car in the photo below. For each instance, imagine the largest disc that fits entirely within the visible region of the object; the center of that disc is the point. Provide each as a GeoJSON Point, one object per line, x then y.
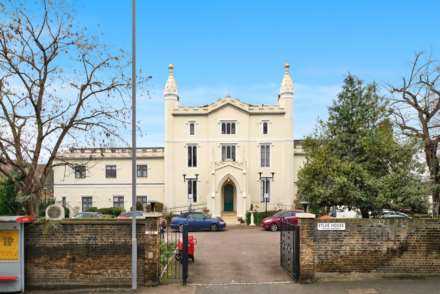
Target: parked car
{"type": "Point", "coordinates": [387, 213]}
{"type": "Point", "coordinates": [128, 215]}
{"type": "Point", "coordinates": [345, 212]}
{"type": "Point", "coordinates": [86, 214]}
{"type": "Point", "coordinates": [273, 222]}
{"type": "Point", "coordinates": [197, 221]}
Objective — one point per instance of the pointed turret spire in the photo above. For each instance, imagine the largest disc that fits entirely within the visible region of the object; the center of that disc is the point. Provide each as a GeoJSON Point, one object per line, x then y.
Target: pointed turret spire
{"type": "Point", "coordinates": [286, 83]}
{"type": "Point", "coordinates": [170, 86]}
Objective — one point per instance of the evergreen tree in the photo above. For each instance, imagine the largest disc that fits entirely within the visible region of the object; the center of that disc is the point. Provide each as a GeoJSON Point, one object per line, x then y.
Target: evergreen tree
{"type": "Point", "coordinates": [8, 201]}
{"type": "Point", "coordinates": [354, 159]}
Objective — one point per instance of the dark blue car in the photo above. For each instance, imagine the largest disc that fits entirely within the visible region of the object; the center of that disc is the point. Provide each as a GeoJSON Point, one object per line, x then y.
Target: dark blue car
{"type": "Point", "coordinates": [197, 221]}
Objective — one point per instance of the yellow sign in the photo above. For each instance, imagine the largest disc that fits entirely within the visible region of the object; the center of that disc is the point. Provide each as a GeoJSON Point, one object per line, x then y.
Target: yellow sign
{"type": "Point", "coordinates": [9, 245]}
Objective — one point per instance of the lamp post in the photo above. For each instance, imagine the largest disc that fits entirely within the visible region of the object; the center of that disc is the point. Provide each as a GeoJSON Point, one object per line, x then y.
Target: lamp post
{"type": "Point", "coordinates": [133, 150]}
{"type": "Point", "coordinates": [190, 196]}
{"type": "Point", "coordinates": [265, 191]}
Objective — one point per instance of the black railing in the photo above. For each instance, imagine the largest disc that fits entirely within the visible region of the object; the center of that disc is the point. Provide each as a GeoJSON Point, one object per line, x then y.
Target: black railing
{"type": "Point", "coordinates": [173, 255]}
{"type": "Point", "coordinates": [290, 249]}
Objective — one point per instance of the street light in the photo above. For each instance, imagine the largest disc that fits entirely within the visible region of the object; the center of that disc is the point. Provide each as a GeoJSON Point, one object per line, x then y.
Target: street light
{"type": "Point", "coordinates": [190, 196]}
{"type": "Point", "coordinates": [266, 195]}
{"type": "Point", "coordinates": [133, 150]}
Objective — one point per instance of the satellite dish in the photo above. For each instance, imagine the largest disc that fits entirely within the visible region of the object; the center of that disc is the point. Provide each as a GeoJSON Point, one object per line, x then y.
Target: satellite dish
{"type": "Point", "coordinates": [55, 212]}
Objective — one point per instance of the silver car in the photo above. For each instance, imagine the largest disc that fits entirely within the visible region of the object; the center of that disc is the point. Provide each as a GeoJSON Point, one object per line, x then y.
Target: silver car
{"type": "Point", "coordinates": [387, 213]}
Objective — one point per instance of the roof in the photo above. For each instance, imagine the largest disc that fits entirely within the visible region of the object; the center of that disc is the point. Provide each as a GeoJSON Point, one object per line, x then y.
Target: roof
{"type": "Point", "coordinates": [228, 101]}
{"type": "Point", "coordinates": [110, 153]}
{"type": "Point", "coordinates": [125, 152]}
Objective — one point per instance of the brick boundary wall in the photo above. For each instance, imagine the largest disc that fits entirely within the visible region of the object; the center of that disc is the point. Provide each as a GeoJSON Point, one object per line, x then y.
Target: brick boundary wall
{"type": "Point", "coordinates": [81, 254]}
{"type": "Point", "coordinates": [384, 246]}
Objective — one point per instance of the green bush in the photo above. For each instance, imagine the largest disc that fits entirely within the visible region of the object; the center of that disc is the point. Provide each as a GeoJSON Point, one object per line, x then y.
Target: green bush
{"type": "Point", "coordinates": [92, 209]}
{"type": "Point", "coordinates": [139, 206]}
{"type": "Point", "coordinates": [166, 251]}
{"type": "Point", "coordinates": [43, 205]}
{"type": "Point", "coordinates": [8, 202]}
{"type": "Point", "coordinates": [155, 206]}
{"type": "Point", "coordinates": [259, 216]}
{"type": "Point", "coordinates": [113, 211]}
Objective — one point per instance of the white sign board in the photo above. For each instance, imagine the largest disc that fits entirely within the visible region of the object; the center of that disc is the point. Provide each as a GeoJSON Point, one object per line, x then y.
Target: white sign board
{"type": "Point", "coordinates": [331, 226]}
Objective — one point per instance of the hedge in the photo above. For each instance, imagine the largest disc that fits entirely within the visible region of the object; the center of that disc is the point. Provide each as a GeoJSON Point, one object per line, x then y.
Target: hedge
{"type": "Point", "coordinates": [259, 216]}
{"type": "Point", "coordinates": [113, 211]}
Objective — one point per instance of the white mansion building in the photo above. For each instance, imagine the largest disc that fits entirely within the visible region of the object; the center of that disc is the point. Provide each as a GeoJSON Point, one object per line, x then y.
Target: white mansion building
{"type": "Point", "coordinates": [224, 156]}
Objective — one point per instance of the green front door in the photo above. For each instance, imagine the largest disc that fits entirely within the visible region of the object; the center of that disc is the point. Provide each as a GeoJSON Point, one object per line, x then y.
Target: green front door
{"type": "Point", "coordinates": [228, 195]}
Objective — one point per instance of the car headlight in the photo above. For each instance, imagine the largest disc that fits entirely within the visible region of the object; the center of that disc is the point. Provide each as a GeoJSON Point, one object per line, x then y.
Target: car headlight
{"type": "Point", "coordinates": [266, 221]}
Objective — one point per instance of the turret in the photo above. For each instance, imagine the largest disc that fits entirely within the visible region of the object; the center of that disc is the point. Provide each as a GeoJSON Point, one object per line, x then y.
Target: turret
{"type": "Point", "coordinates": [171, 103]}
{"type": "Point", "coordinates": [170, 91]}
{"type": "Point", "coordinates": [285, 97]}
{"type": "Point", "coordinates": [286, 89]}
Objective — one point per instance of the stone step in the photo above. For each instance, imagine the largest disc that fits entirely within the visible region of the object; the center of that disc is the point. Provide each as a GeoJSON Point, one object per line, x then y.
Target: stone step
{"type": "Point", "coordinates": [230, 218]}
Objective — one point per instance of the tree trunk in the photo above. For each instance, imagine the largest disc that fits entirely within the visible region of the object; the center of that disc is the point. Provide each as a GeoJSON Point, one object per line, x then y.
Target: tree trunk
{"type": "Point", "coordinates": [27, 188]}
{"type": "Point", "coordinates": [365, 213]}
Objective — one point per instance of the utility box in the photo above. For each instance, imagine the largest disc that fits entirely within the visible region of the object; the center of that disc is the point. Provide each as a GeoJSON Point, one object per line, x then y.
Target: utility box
{"type": "Point", "coordinates": [12, 253]}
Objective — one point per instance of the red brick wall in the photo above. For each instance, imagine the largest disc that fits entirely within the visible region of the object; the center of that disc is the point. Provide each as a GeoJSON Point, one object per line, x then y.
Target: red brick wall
{"type": "Point", "coordinates": [72, 254]}
{"type": "Point", "coordinates": [372, 245]}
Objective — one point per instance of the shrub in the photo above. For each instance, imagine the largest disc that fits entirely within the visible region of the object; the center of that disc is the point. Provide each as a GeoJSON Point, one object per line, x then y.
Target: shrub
{"type": "Point", "coordinates": [92, 209]}
{"type": "Point", "coordinates": [158, 206]}
{"type": "Point", "coordinates": [8, 202]}
{"type": "Point", "coordinates": [139, 206]}
{"type": "Point", "coordinates": [155, 206]}
{"type": "Point", "coordinates": [113, 211]}
{"type": "Point", "coordinates": [43, 205]}
{"type": "Point", "coordinates": [259, 216]}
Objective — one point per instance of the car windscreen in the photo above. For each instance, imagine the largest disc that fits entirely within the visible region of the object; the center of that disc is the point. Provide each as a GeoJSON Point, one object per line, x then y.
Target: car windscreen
{"type": "Point", "coordinates": [279, 213]}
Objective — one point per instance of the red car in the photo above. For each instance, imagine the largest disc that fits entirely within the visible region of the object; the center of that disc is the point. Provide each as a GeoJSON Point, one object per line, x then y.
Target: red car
{"type": "Point", "coordinates": [273, 222]}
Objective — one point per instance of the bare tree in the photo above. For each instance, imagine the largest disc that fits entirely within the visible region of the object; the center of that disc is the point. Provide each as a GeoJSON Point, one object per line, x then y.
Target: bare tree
{"type": "Point", "coordinates": [58, 88]}
{"type": "Point", "coordinates": [417, 113]}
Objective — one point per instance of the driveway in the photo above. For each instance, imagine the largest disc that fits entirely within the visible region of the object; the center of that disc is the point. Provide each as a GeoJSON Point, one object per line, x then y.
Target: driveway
{"type": "Point", "coordinates": [237, 255]}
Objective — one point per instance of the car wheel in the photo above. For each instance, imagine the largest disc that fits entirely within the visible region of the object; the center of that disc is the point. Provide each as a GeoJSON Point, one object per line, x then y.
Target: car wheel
{"type": "Point", "coordinates": [181, 228]}
{"type": "Point", "coordinates": [213, 228]}
{"type": "Point", "coordinates": [273, 227]}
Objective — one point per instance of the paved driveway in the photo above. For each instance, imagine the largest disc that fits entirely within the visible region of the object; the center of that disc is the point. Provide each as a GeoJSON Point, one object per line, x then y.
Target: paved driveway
{"type": "Point", "coordinates": [237, 255]}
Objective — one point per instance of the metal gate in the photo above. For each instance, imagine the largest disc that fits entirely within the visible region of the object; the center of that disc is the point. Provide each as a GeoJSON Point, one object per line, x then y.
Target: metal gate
{"type": "Point", "coordinates": [173, 255]}
{"type": "Point", "coordinates": [289, 249]}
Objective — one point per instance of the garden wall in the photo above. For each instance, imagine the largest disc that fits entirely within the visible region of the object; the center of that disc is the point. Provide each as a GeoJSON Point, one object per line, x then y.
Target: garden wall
{"type": "Point", "coordinates": [73, 254]}
{"type": "Point", "coordinates": [371, 246]}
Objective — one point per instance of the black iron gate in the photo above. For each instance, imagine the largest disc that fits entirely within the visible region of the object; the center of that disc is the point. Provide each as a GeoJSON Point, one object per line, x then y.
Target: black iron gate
{"type": "Point", "coordinates": [173, 255]}
{"type": "Point", "coordinates": [289, 249]}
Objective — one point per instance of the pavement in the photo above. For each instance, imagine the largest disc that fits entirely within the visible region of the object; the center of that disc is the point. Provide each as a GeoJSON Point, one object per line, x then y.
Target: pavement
{"type": "Point", "coordinates": [380, 286]}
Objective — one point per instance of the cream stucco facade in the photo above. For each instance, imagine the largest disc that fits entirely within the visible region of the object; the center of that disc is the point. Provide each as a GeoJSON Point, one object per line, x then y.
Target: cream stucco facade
{"type": "Point", "coordinates": [227, 149]}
